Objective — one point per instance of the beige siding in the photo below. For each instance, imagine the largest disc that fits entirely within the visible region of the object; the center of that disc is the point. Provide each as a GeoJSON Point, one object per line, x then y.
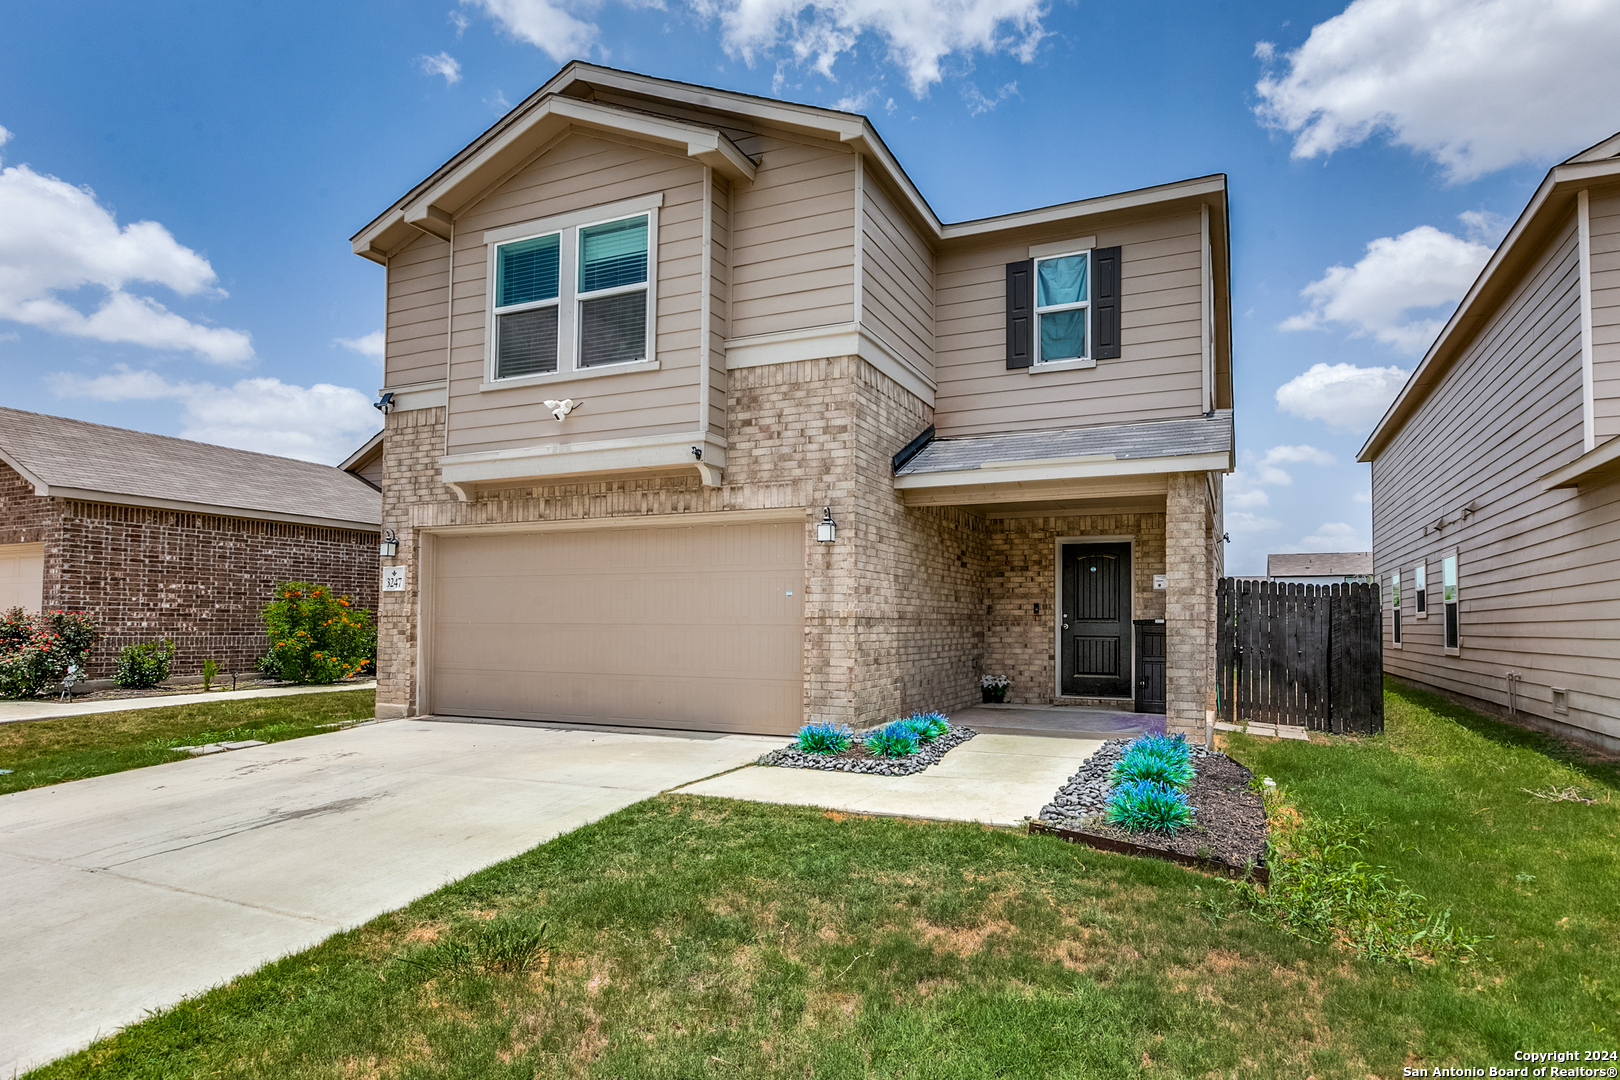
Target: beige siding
{"type": "Point", "coordinates": [793, 240]}
{"type": "Point", "coordinates": [418, 312]}
{"type": "Point", "coordinates": [1539, 576]}
{"type": "Point", "coordinates": [1604, 217]}
{"type": "Point", "coordinates": [719, 300]}
{"type": "Point", "coordinates": [1159, 374]}
{"type": "Point", "coordinates": [577, 173]}
{"type": "Point", "coordinates": [897, 278]}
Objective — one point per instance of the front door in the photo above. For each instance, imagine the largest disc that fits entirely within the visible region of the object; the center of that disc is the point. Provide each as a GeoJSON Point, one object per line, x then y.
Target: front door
{"type": "Point", "coordinates": [1096, 620]}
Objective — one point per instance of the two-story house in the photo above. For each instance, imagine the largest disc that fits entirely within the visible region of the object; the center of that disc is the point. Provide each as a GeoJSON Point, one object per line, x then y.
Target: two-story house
{"type": "Point", "coordinates": [1496, 474]}
{"type": "Point", "coordinates": [702, 418]}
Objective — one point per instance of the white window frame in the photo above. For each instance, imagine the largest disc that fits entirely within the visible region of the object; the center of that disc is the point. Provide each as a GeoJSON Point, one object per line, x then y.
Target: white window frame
{"type": "Point", "coordinates": [1420, 588]}
{"type": "Point", "coordinates": [567, 227]}
{"type": "Point", "coordinates": [496, 310]}
{"type": "Point", "coordinates": [1452, 601]}
{"type": "Point", "coordinates": [1035, 289]}
{"type": "Point", "coordinates": [1395, 608]}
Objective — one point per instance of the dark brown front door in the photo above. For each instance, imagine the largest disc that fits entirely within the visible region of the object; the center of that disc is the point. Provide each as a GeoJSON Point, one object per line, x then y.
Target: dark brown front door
{"type": "Point", "coordinates": [1096, 620]}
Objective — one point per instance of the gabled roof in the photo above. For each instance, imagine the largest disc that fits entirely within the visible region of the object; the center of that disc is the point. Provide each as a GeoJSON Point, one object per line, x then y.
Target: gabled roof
{"type": "Point", "coordinates": [1547, 209]}
{"type": "Point", "coordinates": [369, 451]}
{"type": "Point", "coordinates": [1320, 564]}
{"type": "Point", "coordinates": [73, 459]}
{"type": "Point", "coordinates": [566, 103]}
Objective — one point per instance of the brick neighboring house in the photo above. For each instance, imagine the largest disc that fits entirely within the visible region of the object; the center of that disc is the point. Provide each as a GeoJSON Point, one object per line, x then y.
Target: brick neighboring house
{"type": "Point", "coordinates": [645, 337]}
{"type": "Point", "coordinates": [168, 538]}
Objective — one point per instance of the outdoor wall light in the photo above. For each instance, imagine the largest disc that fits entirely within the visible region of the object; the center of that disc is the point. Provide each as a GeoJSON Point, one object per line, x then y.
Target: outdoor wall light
{"type": "Point", "coordinates": [390, 544]}
{"type": "Point", "coordinates": [826, 528]}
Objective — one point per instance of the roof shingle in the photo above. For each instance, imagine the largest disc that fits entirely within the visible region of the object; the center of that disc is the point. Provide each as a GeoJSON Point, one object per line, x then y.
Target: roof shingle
{"type": "Point", "coordinates": [1207, 434]}
{"type": "Point", "coordinates": [136, 466]}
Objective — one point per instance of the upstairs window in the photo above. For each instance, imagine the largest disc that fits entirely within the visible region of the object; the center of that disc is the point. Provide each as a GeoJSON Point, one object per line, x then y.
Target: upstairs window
{"type": "Point", "coordinates": [527, 276]}
{"type": "Point", "coordinates": [573, 292]}
{"type": "Point", "coordinates": [613, 292]}
{"type": "Point", "coordinates": [1062, 306]}
{"type": "Point", "coordinates": [1420, 589]}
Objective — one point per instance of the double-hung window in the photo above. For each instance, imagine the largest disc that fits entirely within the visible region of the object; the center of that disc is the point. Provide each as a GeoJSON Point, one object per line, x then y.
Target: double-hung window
{"type": "Point", "coordinates": [1420, 588]}
{"type": "Point", "coordinates": [1395, 606]}
{"type": "Point", "coordinates": [1063, 307]}
{"type": "Point", "coordinates": [1448, 599]}
{"type": "Point", "coordinates": [572, 293]}
{"type": "Point", "coordinates": [527, 276]}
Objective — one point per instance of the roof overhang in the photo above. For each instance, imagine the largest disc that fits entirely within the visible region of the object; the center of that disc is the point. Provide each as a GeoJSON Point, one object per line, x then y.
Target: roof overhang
{"type": "Point", "coordinates": [1598, 466]}
{"type": "Point", "coordinates": [115, 498]}
{"type": "Point", "coordinates": [432, 206]}
{"type": "Point", "coordinates": [1539, 221]}
{"type": "Point", "coordinates": [1087, 476]}
{"type": "Point", "coordinates": [362, 457]}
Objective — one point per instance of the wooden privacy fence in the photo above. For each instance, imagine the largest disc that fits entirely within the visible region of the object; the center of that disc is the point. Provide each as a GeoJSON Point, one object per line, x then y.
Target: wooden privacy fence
{"type": "Point", "coordinates": [1308, 655]}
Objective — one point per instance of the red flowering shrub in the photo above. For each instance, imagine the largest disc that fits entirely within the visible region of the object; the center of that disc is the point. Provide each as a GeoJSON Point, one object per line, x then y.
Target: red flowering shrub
{"type": "Point", "coordinates": [37, 650]}
{"type": "Point", "coordinates": [317, 636]}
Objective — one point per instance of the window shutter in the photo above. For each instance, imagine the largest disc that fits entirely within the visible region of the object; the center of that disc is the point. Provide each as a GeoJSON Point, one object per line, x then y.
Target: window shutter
{"type": "Point", "coordinates": [1020, 313]}
{"type": "Point", "coordinates": [1105, 303]}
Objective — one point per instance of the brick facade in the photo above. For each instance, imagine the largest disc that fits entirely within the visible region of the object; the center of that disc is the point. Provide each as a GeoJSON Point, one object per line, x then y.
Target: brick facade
{"type": "Point", "coordinates": [906, 610]}
{"type": "Point", "coordinates": [201, 580]}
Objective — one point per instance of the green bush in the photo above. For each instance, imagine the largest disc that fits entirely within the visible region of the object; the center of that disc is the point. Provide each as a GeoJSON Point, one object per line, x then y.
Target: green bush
{"type": "Point", "coordinates": [825, 737]}
{"type": "Point", "coordinates": [1148, 806]}
{"type": "Point", "coordinates": [317, 636]}
{"type": "Point", "coordinates": [1157, 759]}
{"type": "Point", "coordinates": [894, 739]}
{"type": "Point", "coordinates": [36, 651]}
{"type": "Point", "coordinates": [143, 666]}
{"type": "Point", "coordinates": [928, 726]}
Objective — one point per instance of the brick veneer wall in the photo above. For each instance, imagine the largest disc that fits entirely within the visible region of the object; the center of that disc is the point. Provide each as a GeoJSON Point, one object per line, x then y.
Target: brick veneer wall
{"type": "Point", "coordinates": [199, 579]}
{"type": "Point", "coordinates": [1023, 572]}
{"type": "Point", "coordinates": [891, 609]}
{"type": "Point", "coordinates": [1191, 538]}
{"type": "Point", "coordinates": [26, 518]}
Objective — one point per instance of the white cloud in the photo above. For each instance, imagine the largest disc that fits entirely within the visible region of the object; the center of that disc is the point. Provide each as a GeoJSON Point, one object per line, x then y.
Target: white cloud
{"type": "Point", "coordinates": [542, 24]}
{"type": "Point", "coordinates": [366, 344]}
{"type": "Point", "coordinates": [1364, 497]}
{"type": "Point", "coordinates": [979, 104]}
{"type": "Point", "coordinates": [1245, 488]}
{"type": "Point", "coordinates": [58, 239]}
{"type": "Point", "coordinates": [1330, 536]}
{"type": "Point", "coordinates": [1422, 268]}
{"type": "Point", "coordinates": [1477, 85]}
{"type": "Point", "coordinates": [318, 423]}
{"type": "Point", "coordinates": [1243, 522]}
{"type": "Point", "coordinates": [442, 64]}
{"type": "Point", "coordinates": [919, 33]}
{"type": "Point", "coordinates": [1343, 396]}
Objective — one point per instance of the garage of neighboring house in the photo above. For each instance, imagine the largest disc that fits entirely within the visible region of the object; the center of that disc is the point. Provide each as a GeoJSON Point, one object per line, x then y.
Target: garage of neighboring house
{"type": "Point", "coordinates": [671, 624]}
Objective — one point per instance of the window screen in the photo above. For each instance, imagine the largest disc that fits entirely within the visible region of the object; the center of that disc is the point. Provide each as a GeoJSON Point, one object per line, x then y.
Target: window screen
{"type": "Point", "coordinates": [1420, 590]}
{"type": "Point", "coordinates": [613, 329]}
{"type": "Point", "coordinates": [526, 342]}
{"type": "Point", "coordinates": [1448, 596]}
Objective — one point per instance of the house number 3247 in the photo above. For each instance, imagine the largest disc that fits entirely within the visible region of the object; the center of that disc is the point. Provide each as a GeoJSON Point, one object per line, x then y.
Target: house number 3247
{"type": "Point", "coordinates": [393, 579]}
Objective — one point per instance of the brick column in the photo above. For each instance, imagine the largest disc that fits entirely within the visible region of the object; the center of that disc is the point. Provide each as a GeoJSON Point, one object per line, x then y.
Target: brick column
{"type": "Point", "coordinates": [1189, 602]}
{"type": "Point", "coordinates": [412, 447]}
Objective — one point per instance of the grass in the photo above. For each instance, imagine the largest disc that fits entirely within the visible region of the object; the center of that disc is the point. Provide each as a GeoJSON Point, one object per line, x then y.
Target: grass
{"type": "Point", "coordinates": [691, 937]}
{"type": "Point", "coordinates": [44, 752]}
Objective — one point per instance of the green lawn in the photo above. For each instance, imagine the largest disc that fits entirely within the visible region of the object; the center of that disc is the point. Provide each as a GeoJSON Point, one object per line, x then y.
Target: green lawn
{"type": "Point", "coordinates": [44, 752]}
{"type": "Point", "coordinates": [690, 937]}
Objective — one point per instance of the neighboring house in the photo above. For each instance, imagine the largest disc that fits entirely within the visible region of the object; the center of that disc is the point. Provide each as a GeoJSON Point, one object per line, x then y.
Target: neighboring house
{"type": "Point", "coordinates": [167, 538]}
{"type": "Point", "coordinates": [1016, 427]}
{"type": "Point", "coordinates": [367, 462]}
{"type": "Point", "coordinates": [1496, 473]}
{"type": "Point", "coordinates": [1320, 568]}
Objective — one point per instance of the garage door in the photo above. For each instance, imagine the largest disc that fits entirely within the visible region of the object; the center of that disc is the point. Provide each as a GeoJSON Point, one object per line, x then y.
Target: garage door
{"type": "Point", "coordinates": [693, 626]}
{"type": "Point", "coordinates": [22, 576]}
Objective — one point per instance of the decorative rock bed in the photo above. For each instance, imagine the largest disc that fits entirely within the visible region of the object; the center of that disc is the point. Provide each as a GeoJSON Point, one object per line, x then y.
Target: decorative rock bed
{"type": "Point", "coordinates": [1228, 832]}
{"type": "Point", "coordinates": [857, 759]}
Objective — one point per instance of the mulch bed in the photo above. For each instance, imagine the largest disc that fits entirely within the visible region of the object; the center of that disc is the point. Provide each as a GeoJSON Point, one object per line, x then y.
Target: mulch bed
{"type": "Point", "coordinates": [857, 759]}
{"type": "Point", "coordinates": [1228, 832]}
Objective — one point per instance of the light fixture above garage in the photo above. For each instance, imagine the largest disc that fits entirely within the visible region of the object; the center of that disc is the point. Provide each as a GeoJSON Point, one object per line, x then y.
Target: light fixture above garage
{"type": "Point", "coordinates": [389, 548]}
{"type": "Point", "coordinates": [827, 528]}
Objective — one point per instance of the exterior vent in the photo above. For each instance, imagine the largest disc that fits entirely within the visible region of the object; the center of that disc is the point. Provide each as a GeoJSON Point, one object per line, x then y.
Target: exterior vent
{"type": "Point", "coordinates": [1560, 698]}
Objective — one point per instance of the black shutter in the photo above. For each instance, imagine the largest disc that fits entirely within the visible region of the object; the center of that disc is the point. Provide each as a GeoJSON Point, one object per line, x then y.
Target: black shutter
{"type": "Point", "coordinates": [1105, 303]}
{"type": "Point", "coordinates": [1020, 313]}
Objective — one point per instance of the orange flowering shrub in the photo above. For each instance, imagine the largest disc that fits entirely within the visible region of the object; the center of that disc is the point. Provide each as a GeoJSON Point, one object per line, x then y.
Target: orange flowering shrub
{"type": "Point", "coordinates": [317, 636]}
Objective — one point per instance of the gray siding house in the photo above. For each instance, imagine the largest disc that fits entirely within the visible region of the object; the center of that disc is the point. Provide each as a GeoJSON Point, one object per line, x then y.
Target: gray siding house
{"type": "Point", "coordinates": [700, 417]}
{"type": "Point", "coordinates": [1496, 474]}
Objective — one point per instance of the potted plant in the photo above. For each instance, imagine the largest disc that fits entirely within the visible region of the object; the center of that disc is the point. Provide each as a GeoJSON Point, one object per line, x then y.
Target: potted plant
{"type": "Point", "coordinates": [994, 688]}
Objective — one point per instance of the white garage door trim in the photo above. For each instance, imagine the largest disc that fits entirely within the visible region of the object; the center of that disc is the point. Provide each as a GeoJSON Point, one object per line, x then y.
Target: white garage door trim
{"type": "Point", "coordinates": [429, 617]}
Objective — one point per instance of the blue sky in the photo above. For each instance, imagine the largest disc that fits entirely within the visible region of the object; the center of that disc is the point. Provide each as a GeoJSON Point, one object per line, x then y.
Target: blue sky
{"type": "Point", "coordinates": [181, 179]}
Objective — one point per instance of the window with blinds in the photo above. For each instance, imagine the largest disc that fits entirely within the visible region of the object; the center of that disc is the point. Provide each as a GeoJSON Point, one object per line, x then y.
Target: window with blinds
{"type": "Point", "coordinates": [527, 275]}
{"type": "Point", "coordinates": [613, 292]}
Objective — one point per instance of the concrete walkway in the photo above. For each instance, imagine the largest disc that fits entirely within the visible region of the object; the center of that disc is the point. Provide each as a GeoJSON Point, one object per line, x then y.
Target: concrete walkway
{"type": "Point", "coordinates": [129, 892]}
{"type": "Point", "coordinates": [1058, 721]}
{"type": "Point", "coordinates": [994, 779]}
{"type": "Point", "coordinates": [13, 711]}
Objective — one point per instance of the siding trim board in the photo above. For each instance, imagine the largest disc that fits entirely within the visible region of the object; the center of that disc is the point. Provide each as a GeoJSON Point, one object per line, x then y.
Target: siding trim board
{"type": "Point", "coordinates": [1583, 232]}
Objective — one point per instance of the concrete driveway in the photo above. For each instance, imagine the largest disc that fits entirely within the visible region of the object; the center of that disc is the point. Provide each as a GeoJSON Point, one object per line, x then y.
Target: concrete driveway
{"type": "Point", "coordinates": [130, 892]}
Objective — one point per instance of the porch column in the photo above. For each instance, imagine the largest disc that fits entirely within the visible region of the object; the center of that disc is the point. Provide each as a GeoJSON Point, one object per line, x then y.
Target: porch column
{"type": "Point", "coordinates": [1189, 602]}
